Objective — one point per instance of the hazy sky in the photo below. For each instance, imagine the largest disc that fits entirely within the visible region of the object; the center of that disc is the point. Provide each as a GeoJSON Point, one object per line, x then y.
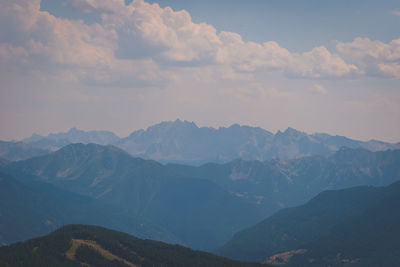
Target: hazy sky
{"type": "Point", "coordinates": [317, 66]}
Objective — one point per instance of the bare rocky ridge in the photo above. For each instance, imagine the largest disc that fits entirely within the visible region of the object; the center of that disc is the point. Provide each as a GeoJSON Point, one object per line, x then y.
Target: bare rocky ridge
{"type": "Point", "coordinates": [184, 142]}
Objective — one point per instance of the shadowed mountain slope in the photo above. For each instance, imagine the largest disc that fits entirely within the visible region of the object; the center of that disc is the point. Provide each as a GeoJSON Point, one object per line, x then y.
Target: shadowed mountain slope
{"type": "Point", "coordinates": [29, 209]}
{"type": "Point", "coordinates": [357, 226]}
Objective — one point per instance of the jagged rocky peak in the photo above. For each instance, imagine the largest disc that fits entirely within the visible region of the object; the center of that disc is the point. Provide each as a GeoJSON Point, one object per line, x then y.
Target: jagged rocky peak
{"type": "Point", "coordinates": [173, 125]}
{"type": "Point", "coordinates": [290, 133]}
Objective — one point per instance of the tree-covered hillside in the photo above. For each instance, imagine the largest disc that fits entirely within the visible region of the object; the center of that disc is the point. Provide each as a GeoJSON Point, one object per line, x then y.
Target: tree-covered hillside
{"type": "Point", "coordinates": [358, 226]}
{"type": "Point", "coordinates": [82, 245]}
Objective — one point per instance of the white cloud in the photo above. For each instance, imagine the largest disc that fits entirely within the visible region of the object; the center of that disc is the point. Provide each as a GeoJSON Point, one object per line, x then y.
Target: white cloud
{"type": "Point", "coordinates": [319, 89]}
{"type": "Point", "coordinates": [42, 41]}
{"type": "Point", "coordinates": [141, 43]}
{"type": "Point", "coordinates": [374, 57]}
{"type": "Point", "coordinates": [320, 63]}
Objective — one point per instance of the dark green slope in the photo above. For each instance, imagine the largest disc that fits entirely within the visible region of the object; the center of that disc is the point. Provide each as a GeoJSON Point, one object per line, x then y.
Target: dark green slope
{"type": "Point", "coordinates": [75, 245]}
{"type": "Point", "coordinates": [356, 222]}
{"type": "Point", "coordinates": [33, 208]}
{"type": "Point", "coordinates": [198, 211]}
{"type": "Point", "coordinates": [369, 239]}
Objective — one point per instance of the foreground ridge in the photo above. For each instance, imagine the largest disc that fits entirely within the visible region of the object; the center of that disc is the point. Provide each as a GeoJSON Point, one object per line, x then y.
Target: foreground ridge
{"type": "Point", "coordinates": [83, 245]}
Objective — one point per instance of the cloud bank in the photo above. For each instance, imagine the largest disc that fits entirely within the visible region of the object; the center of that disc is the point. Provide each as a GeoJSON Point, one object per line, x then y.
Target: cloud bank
{"type": "Point", "coordinates": [143, 44]}
{"type": "Point", "coordinates": [373, 57]}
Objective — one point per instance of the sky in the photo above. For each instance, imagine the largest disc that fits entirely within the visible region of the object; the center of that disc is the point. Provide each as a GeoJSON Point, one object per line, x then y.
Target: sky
{"type": "Point", "coordinates": [316, 66]}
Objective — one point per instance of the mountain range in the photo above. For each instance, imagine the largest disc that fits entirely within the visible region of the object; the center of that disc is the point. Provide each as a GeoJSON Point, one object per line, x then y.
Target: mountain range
{"type": "Point", "coordinates": [203, 207]}
{"type": "Point", "coordinates": [197, 211]}
{"type": "Point", "coordinates": [55, 141]}
{"type": "Point", "coordinates": [184, 142]}
{"type": "Point", "coordinates": [83, 245]}
{"type": "Point", "coordinates": [276, 184]}
{"type": "Point", "coordinates": [359, 226]}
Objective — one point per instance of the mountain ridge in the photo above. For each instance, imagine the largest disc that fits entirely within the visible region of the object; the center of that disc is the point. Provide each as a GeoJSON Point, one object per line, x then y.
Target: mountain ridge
{"type": "Point", "coordinates": [198, 211]}
{"type": "Point", "coordinates": [184, 142]}
{"type": "Point", "coordinates": [227, 143]}
{"type": "Point", "coordinates": [54, 141]}
{"type": "Point", "coordinates": [276, 184]}
{"type": "Point", "coordinates": [204, 206]}
{"type": "Point", "coordinates": [84, 245]}
{"type": "Point", "coordinates": [337, 228]}
{"type": "Point", "coordinates": [13, 151]}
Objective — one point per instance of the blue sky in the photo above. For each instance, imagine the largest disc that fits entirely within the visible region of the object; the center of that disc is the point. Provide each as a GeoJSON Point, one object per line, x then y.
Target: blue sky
{"type": "Point", "coordinates": [297, 25]}
{"type": "Point", "coordinates": [317, 66]}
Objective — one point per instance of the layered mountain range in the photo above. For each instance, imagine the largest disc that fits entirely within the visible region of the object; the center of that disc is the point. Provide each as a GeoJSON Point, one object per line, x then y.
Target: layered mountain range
{"type": "Point", "coordinates": [301, 199]}
{"type": "Point", "coordinates": [276, 184]}
{"type": "Point", "coordinates": [55, 141]}
{"type": "Point", "coordinates": [200, 212]}
{"type": "Point", "coordinates": [203, 207]}
{"type": "Point", "coordinates": [184, 142]}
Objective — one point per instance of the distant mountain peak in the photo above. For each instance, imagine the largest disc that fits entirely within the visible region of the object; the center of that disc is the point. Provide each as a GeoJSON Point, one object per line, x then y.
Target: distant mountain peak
{"type": "Point", "coordinates": [183, 122]}
{"type": "Point", "coordinates": [184, 142]}
{"type": "Point", "coordinates": [74, 130]}
{"type": "Point", "coordinates": [35, 135]}
{"type": "Point", "coordinates": [19, 151]}
{"type": "Point", "coordinates": [54, 141]}
{"type": "Point", "coordinates": [173, 125]}
{"type": "Point", "coordinates": [292, 131]}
